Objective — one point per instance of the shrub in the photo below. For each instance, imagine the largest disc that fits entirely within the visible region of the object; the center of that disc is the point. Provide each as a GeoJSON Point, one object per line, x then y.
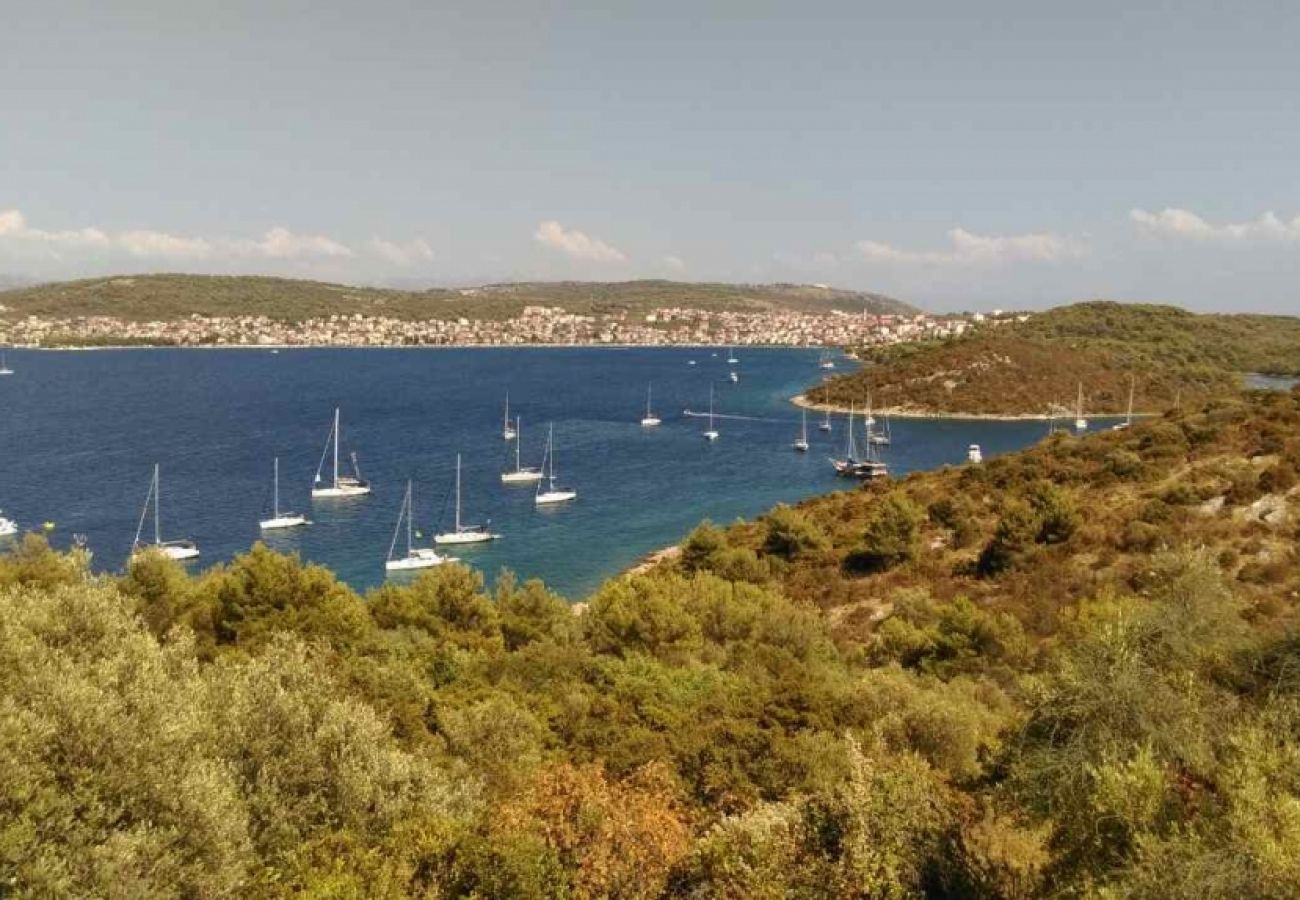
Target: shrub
{"type": "Point", "coordinates": [892, 534]}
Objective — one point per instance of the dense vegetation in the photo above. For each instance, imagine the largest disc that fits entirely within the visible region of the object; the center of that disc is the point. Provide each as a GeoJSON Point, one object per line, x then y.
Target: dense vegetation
{"type": "Point", "coordinates": [163, 297]}
{"type": "Point", "coordinates": [1035, 366]}
{"type": "Point", "coordinates": [1069, 671]}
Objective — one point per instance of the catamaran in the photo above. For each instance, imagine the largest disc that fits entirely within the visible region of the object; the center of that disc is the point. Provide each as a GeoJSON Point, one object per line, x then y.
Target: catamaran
{"type": "Point", "coordinates": [177, 550]}
{"type": "Point", "coordinates": [851, 466]}
{"type": "Point", "coordinates": [551, 494]}
{"type": "Point", "coordinates": [801, 442]}
{"type": "Point", "coordinates": [1128, 416]}
{"type": "Point", "coordinates": [416, 557]}
{"type": "Point", "coordinates": [521, 472]}
{"type": "Point", "coordinates": [507, 432]}
{"type": "Point", "coordinates": [280, 519]}
{"type": "Point", "coordinates": [464, 534]}
{"type": "Point", "coordinates": [8, 527]}
{"type": "Point", "coordinates": [342, 485]}
{"type": "Point", "coordinates": [1080, 423]}
{"type": "Point", "coordinates": [4, 366]}
{"type": "Point", "coordinates": [649, 420]}
{"type": "Point", "coordinates": [712, 433]}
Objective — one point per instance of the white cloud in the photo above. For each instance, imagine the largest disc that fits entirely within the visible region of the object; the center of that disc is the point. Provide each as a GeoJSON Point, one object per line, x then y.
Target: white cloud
{"type": "Point", "coordinates": [402, 254]}
{"type": "Point", "coordinates": [674, 263]}
{"type": "Point", "coordinates": [281, 243]}
{"type": "Point", "coordinates": [13, 225]}
{"type": "Point", "coordinates": [968, 248]}
{"type": "Point", "coordinates": [575, 244]}
{"type": "Point", "coordinates": [1181, 223]}
{"type": "Point", "coordinates": [158, 244]}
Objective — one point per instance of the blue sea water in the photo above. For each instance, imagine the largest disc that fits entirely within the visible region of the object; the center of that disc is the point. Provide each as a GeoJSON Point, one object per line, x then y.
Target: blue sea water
{"type": "Point", "coordinates": [80, 432]}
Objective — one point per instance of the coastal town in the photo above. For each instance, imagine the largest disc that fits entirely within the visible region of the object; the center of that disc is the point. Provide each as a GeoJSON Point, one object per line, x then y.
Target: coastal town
{"type": "Point", "coordinates": [534, 325]}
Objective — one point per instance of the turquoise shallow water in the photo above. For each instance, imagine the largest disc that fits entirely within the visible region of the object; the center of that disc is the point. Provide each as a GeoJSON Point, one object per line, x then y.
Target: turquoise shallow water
{"type": "Point", "coordinates": [79, 433]}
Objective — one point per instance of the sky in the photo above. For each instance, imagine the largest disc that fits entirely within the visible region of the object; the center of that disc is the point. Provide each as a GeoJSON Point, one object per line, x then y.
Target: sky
{"type": "Point", "coordinates": [957, 155]}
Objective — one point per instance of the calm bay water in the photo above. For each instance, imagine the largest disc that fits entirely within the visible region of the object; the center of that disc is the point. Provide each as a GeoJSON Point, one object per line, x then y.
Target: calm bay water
{"type": "Point", "coordinates": [79, 433]}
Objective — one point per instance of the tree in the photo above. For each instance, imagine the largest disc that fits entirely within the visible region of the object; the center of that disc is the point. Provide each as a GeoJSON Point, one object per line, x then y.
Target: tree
{"type": "Point", "coordinates": [892, 533]}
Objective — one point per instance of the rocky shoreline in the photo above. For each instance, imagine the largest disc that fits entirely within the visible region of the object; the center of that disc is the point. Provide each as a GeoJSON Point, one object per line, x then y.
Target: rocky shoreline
{"type": "Point", "coordinates": [900, 412]}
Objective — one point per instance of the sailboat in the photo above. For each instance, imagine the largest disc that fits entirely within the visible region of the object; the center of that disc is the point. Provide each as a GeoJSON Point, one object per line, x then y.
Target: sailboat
{"type": "Point", "coordinates": [177, 550]}
{"type": "Point", "coordinates": [521, 472]}
{"type": "Point", "coordinates": [1128, 416]}
{"type": "Point", "coordinates": [507, 432]}
{"type": "Point", "coordinates": [342, 485]}
{"type": "Point", "coordinates": [279, 519]}
{"type": "Point", "coordinates": [734, 376]}
{"type": "Point", "coordinates": [4, 366]}
{"type": "Point", "coordinates": [801, 442]}
{"type": "Point", "coordinates": [650, 420]}
{"type": "Point", "coordinates": [826, 362]}
{"type": "Point", "coordinates": [974, 455]}
{"type": "Point", "coordinates": [416, 557]}
{"type": "Point", "coordinates": [464, 534]}
{"type": "Point", "coordinates": [870, 419]}
{"type": "Point", "coordinates": [851, 466]}
{"type": "Point", "coordinates": [880, 438]}
{"type": "Point", "coordinates": [731, 357]}
{"type": "Point", "coordinates": [1080, 423]}
{"type": "Point", "coordinates": [551, 494]}
{"type": "Point", "coordinates": [8, 527]}
{"type": "Point", "coordinates": [826, 422]}
{"type": "Point", "coordinates": [712, 433]}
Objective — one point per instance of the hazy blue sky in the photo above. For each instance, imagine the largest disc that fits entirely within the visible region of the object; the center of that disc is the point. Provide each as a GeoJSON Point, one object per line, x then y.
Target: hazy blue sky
{"type": "Point", "coordinates": [956, 154]}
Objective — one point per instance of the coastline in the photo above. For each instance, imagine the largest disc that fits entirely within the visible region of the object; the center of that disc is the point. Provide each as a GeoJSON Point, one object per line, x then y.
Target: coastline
{"type": "Point", "coordinates": [898, 412]}
{"type": "Point", "coordinates": [556, 346]}
{"type": "Point", "coordinates": [650, 560]}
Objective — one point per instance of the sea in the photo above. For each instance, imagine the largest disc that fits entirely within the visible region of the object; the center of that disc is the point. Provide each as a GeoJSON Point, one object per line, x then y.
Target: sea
{"type": "Point", "coordinates": [80, 432]}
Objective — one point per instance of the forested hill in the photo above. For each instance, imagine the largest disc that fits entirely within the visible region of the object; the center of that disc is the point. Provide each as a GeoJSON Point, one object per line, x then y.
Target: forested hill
{"type": "Point", "coordinates": [1071, 671]}
{"type": "Point", "coordinates": [1031, 367]}
{"type": "Point", "coordinates": [166, 296]}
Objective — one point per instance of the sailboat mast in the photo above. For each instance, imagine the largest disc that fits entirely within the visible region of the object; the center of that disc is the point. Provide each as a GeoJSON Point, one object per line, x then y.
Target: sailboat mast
{"type": "Point", "coordinates": [157, 502]}
{"type": "Point", "coordinates": [336, 446]}
{"type": "Point", "coordinates": [276, 490]}
{"type": "Point", "coordinates": [803, 431]}
{"type": "Point", "coordinates": [410, 515]}
{"type": "Point", "coordinates": [458, 492]}
{"type": "Point", "coordinates": [519, 439]}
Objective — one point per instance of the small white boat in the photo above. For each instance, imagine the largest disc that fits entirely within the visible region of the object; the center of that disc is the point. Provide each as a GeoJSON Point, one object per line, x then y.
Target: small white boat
{"type": "Point", "coordinates": [826, 361]}
{"type": "Point", "coordinates": [712, 433]}
{"type": "Point", "coordinates": [731, 357]}
{"type": "Point", "coordinates": [552, 494]}
{"type": "Point", "coordinates": [507, 431]}
{"type": "Point", "coordinates": [521, 472]}
{"type": "Point", "coordinates": [177, 550]}
{"type": "Point", "coordinates": [880, 438]}
{"type": "Point", "coordinates": [870, 419]}
{"type": "Point", "coordinates": [280, 519]}
{"type": "Point", "coordinates": [1128, 416]}
{"type": "Point", "coordinates": [342, 485]}
{"type": "Point", "coordinates": [690, 362]}
{"type": "Point", "coordinates": [735, 377]}
{"type": "Point", "coordinates": [826, 422]}
{"type": "Point", "coordinates": [974, 454]}
{"type": "Point", "coordinates": [801, 442]}
{"type": "Point", "coordinates": [4, 366]}
{"type": "Point", "coordinates": [416, 557]}
{"type": "Point", "coordinates": [8, 527]}
{"type": "Point", "coordinates": [1080, 423]}
{"type": "Point", "coordinates": [649, 420]}
{"type": "Point", "coordinates": [464, 534]}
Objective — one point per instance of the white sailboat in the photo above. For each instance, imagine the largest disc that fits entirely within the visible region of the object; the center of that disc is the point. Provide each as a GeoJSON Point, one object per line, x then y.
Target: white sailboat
{"type": "Point", "coordinates": [826, 361]}
{"type": "Point", "coordinates": [551, 494]}
{"type": "Point", "coordinates": [1080, 423]}
{"type": "Point", "coordinates": [342, 485]}
{"type": "Point", "coordinates": [880, 438]}
{"type": "Point", "coordinates": [649, 420]}
{"type": "Point", "coordinates": [8, 527]}
{"type": "Point", "coordinates": [177, 550]}
{"type": "Point", "coordinates": [4, 366]}
{"type": "Point", "coordinates": [280, 519]}
{"type": "Point", "coordinates": [1128, 416]}
{"type": "Point", "coordinates": [801, 442]}
{"type": "Point", "coordinates": [507, 432]}
{"type": "Point", "coordinates": [464, 534]}
{"type": "Point", "coordinates": [731, 357]}
{"type": "Point", "coordinates": [416, 557]}
{"type": "Point", "coordinates": [826, 422]}
{"type": "Point", "coordinates": [712, 433]}
{"type": "Point", "coordinates": [870, 419]}
{"type": "Point", "coordinates": [974, 454]}
{"type": "Point", "coordinates": [521, 472]}
{"type": "Point", "coordinates": [734, 376]}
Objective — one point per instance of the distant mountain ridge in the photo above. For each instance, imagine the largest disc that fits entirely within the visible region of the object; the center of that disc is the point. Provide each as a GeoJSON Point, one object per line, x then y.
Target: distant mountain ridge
{"type": "Point", "coordinates": [174, 296]}
{"type": "Point", "coordinates": [1031, 367]}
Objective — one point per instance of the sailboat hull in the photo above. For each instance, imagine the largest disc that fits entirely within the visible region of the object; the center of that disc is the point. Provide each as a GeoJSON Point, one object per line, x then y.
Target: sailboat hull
{"type": "Point", "coordinates": [420, 558]}
{"type": "Point", "coordinates": [288, 521]}
{"type": "Point", "coordinates": [465, 537]}
{"type": "Point", "coordinates": [179, 551]}
{"type": "Point", "coordinates": [548, 498]}
{"type": "Point", "coordinates": [8, 527]}
{"type": "Point", "coordinates": [651, 422]}
{"type": "Point", "coordinates": [341, 490]}
{"type": "Point", "coordinates": [522, 476]}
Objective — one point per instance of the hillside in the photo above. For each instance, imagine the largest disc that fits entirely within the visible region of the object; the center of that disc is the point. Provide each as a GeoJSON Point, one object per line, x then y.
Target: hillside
{"type": "Point", "coordinates": [1028, 368]}
{"type": "Point", "coordinates": [170, 296]}
{"type": "Point", "coordinates": [1070, 671]}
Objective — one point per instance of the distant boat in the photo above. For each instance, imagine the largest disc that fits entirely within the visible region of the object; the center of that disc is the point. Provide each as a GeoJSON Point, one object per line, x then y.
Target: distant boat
{"type": "Point", "coordinates": [1080, 423]}
{"type": "Point", "coordinates": [342, 485]}
{"type": "Point", "coordinates": [826, 422]}
{"type": "Point", "coordinates": [974, 454]}
{"type": "Point", "coordinates": [734, 377]}
{"type": "Point", "coordinates": [1128, 416]}
{"type": "Point", "coordinates": [177, 550]}
{"type": "Point", "coordinates": [731, 357]}
{"type": "Point", "coordinates": [880, 438]}
{"type": "Point", "coordinates": [552, 494]}
{"type": "Point", "coordinates": [866, 468]}
{"type": "Point", "coordinates": [279, 519]}
{"type": "Point", "coordinates": [712, 433]}
{"type": "Point", "coordinates": [4, 366]}
{"type": "Point", "coordinates": [649, 420]}
{"type": "Point", "coordinates": [801, 442]}
{"type": "Point", "coordinates": [464, 534]}
{"type": "Point", "coordinates": [507, 432]}
{"type": "Point", "coordinates": [870, 419]}
{"type": "Point", "coordinates": [416, 557]}
{"type": "Point", "coordinates": [8, 527]}
{"type": "Point", "coordinates": [521, 472]}
{"type": "Point", "coordinates": [826, 362]}
{"type": "Point", "coordinates": [690, 362]}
